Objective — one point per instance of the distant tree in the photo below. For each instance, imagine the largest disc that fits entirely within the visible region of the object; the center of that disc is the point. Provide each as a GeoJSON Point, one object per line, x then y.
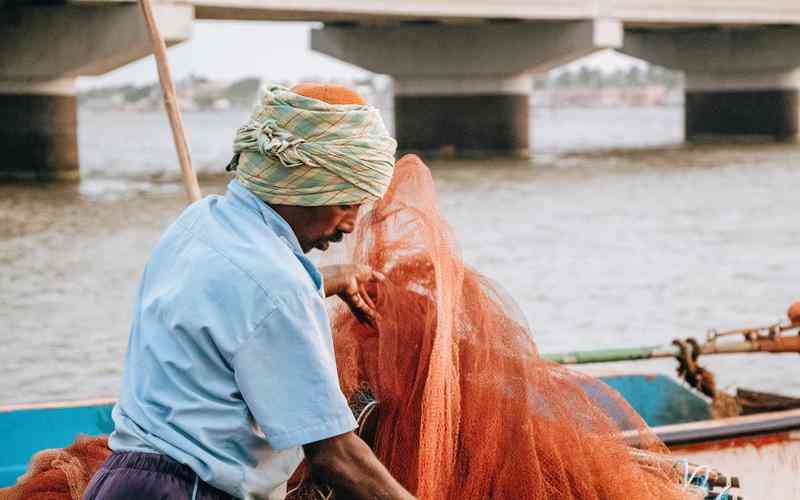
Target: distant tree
{"type": "Point", "coordinates": [616, 78]}
{"type": "Point", "coordinates": [193, 78]}
{"type": "Point", "coordinates": [662, 76]}
{"type": "Point", "coordinates": [367, 81]}
{"type": "Point", "coordinates": [634, 77]}
{"type": "Point", "coordinates": [565, 79]}
{"type": "Point", "coordinates": [244, 92]}
{"type": "Point", "coordinates": [589, 77]}
{"type": "Point", "coordinates": [133, 93]}
{"type": "Point", "coordinates": [204, 101]}
{"type": "Point", "coordinates": [540, 81]}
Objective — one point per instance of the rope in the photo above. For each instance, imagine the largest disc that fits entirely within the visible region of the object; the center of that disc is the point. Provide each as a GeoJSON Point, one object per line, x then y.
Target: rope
{"type": "Point", "coordinates": [724, 493]}
{"type": "Point", "coordinates": [705, 469]}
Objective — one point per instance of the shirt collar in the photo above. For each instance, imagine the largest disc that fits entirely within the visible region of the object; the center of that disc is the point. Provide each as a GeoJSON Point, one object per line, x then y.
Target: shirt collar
{"type": "Point", "coordinates": [242, 196]}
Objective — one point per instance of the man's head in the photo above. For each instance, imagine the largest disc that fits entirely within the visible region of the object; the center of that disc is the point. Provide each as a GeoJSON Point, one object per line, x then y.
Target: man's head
{"type": "Point", "coordinates": [315, 153]}
{"type": "Point", "coordinates": [318, 227]}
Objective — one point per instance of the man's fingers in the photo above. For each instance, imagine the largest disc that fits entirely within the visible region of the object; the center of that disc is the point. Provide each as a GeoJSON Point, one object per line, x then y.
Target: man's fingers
{"type": "Point", "coordinates": [365, 295]}
{"type": "Point", "coordinates": [362, 310]}
{"type": "Point", "coordinates": [357, 295]}
{"type": "Point", "coordinates": [369, 313]}
{"type": "Point", "coordinates": [373, 309]}
{"type": "Point", "coordinates": [366, 273]}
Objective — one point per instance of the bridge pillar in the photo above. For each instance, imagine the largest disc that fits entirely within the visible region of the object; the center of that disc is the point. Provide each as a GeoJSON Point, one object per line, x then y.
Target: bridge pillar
{"type": "Point", "coordinates": [463, 89]}
{"type": "Point", "coordinates": [740, 83]}
{"type": "Point", "coordinates": [41, 54]}
{"type": "Point", "coordinates": [742, 106]}
{"type": "Point", "coordinates": [39, 130]}
{"type": "Point", "coordinates": [463, 115]}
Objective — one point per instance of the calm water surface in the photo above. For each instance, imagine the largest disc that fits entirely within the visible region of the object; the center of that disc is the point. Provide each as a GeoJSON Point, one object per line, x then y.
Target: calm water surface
{"type": "Point", "coordinates": [602, 245]}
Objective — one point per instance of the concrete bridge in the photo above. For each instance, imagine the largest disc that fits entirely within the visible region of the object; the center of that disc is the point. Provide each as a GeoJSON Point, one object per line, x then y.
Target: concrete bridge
{"type": "Point", "coordinates": [460, 67]}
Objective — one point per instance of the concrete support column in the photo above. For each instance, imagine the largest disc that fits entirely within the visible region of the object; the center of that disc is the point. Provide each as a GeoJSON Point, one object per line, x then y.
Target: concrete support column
{"type": "Point", "coordinates": [739, 106]}
{"type": "Point", "coordinates": [44, 48]}
{"type": "Point", "coordinates": [740, 83]}
{"type": "Point", "coordinates": [463, 89]}
{"type": "Point", "coordinates": [39, 130]}
{"type": "Point", "coordinates": [463, 116]}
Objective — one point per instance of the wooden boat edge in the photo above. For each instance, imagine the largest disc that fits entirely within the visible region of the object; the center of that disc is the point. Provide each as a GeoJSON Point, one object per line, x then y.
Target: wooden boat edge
{"type": "Point", "coordinates": [57, 405]}
{"type": "Point", "coordinates": [724, 429]}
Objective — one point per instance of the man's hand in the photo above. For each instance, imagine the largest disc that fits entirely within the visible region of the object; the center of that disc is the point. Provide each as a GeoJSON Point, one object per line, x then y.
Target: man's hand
{"type": "Point", "coordinates": [353, 285]}
{"type": "Point", "coordinates": [346, 464]}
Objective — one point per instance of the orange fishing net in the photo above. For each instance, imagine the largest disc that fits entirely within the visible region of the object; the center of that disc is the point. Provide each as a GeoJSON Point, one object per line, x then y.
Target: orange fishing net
{"type": "Point", "coordinates": [467, 408]}
{"type": "Point", "coordinates": [60, 474]}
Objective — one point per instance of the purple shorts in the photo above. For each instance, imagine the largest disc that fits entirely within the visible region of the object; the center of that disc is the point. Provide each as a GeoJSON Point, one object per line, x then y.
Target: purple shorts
{"type": "Point", "coordinates": [136, 476]}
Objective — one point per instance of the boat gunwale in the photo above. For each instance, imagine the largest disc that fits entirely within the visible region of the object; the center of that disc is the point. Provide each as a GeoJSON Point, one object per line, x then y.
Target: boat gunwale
{"type": "Point", "coordinates": [672, 435]}
{"type": "Point", "coordinates": [57, 405]}
{"type": "Point", "coordinates": [724, 428]}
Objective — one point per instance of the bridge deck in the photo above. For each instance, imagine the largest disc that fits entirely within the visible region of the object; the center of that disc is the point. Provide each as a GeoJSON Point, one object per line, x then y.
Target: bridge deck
{"type": "Point", "coordinates": [670, 14]}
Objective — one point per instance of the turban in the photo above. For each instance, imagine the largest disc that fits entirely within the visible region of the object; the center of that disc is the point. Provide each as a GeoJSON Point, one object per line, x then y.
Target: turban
{"type": "Point", "coordinates": [297, 150]}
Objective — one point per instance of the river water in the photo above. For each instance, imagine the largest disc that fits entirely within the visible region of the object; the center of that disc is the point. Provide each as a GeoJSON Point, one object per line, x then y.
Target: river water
{"type": "Point", "coordinates": [612, 234]}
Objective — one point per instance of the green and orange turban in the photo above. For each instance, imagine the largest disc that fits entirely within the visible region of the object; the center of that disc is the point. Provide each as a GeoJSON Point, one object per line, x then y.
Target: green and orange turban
{"type": "Point", "coordinates": [302, 150]}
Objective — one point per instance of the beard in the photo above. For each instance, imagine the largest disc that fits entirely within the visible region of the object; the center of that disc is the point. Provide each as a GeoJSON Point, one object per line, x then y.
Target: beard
{"type": "Point", "coordinates": [323, 243]}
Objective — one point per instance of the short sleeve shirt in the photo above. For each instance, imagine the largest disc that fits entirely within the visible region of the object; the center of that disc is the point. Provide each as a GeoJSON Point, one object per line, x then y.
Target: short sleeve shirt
{"type": "Point", "coordinates": [230, 366]}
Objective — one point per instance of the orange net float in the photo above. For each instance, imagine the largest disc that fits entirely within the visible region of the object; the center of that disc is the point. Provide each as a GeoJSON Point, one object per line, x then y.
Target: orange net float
{"type": "Point", "coordinates": [468, 410]}
{"type": "Point", "coordinates": [794, 313]}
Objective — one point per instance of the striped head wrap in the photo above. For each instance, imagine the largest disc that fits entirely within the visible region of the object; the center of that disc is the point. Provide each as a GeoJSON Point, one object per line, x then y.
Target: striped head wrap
{"type": "Point", "coordinates": [296, 150]}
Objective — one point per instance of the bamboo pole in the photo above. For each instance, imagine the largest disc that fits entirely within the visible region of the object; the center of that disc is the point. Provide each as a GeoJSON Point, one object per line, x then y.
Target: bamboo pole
{"type": "Point", "coordinates": [171, 104]}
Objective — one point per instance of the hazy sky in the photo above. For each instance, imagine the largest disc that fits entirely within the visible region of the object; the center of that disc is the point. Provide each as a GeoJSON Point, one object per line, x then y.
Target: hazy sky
{"type": "Point", "coordinates": [270, 50]}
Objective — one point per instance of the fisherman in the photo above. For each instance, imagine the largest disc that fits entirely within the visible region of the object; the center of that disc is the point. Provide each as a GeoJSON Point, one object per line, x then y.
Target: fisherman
{"type": "Point", "coordinates": [230, 376]}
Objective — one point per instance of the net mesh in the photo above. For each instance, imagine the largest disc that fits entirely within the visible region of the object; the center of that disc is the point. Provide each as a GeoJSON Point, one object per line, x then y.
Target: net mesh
{"type": "Point", "coordinates": [467, 408]}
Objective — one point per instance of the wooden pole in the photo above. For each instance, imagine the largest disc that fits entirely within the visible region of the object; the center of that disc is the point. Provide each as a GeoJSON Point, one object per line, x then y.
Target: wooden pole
{"type": "Point", "coordinates": [171, 104]}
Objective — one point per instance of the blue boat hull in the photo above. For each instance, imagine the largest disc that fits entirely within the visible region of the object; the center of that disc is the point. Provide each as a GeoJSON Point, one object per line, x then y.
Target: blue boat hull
{"type": "Point", "coordinates": [28, 429]}
{"type": "Point", "coordinates": [678, 415]}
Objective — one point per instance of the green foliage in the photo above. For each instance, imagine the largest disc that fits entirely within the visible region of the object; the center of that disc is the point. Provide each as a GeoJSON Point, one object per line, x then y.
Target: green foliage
{"type": "Point", "coordinates": [243, 93]}
{"type": "Point", "coordinates": [133, 94]}
{"type": "Point", "coordinates": [592, 77]}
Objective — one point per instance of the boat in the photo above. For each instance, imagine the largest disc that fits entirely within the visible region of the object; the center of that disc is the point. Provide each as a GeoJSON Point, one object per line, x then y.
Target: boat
{"type": "Point", "coordinates": [762, 451]}
{"type": "Point", "coordinates": [742, 446]}
{"type": "Point", "coordinates": [759, 453]}
{"type": "Point", "coordinates": [28, 428]}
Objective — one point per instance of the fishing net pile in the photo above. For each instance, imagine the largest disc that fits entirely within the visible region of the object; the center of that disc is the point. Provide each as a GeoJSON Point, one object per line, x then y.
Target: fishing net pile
{"type": "Point", "coordinates": [60, 474]}
{"type": "Point", "coordinates": [467, 408]}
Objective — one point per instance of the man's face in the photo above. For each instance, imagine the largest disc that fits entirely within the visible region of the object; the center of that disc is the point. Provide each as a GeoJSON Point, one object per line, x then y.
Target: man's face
{"type": "Point", "coordinates": [326, 225]}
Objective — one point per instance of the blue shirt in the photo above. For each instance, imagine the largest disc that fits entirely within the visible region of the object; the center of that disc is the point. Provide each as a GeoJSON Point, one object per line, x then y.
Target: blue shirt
{"type": "Point", "coordinates": [230, 365]}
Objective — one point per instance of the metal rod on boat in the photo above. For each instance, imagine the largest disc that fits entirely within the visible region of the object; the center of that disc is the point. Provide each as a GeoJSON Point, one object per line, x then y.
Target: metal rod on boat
{"type": "Point", "coordinates": [611, 355]}
{"type": "Point", "coordinates": [751, 343]}
{"type": "Point", "coordinates": [171, 104]}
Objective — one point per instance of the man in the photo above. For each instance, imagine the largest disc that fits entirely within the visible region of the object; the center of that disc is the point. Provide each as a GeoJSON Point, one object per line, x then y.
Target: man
{"type": "Point", "coordinates": [230, 373]}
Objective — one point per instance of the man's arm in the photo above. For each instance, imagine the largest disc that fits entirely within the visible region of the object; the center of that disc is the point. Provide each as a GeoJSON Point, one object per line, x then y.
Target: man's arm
{"type": "Point", "coordinates": [286, 373]}
{"type": "Point", "coordinates": [354, 284]}
{"type": "Point", "coordinates": [348, 466]}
